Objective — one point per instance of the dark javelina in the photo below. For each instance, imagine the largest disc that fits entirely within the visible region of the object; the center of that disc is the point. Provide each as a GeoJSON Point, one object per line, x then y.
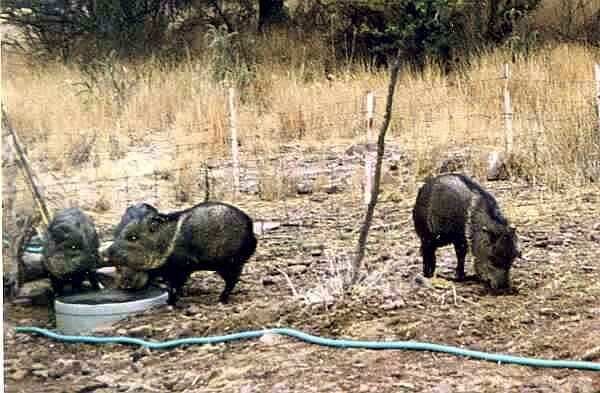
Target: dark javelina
{"type": "Point", "coordinates": [71, 250]}
{"type": "Point", "coordinates": [453, 209]}
{"type": "Point", "coordinates": [209, 236]}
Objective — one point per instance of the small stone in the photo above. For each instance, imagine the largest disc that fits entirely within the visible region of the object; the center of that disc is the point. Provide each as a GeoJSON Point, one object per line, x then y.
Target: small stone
{"type": "Point", "coordinates": [268, 280]}
{"type": "Point", "coordinates": [392, 306]}
{"type": "Point", "coordinates": [104, 330]}
{"type": "Point", "coordinates": [314, 249]}
{"type": "Point", "coordinates": [18, 375]}
{"type": "Point", "coordinates": [297, 269]}
{"type": "Point", "coordinates": [141, 331]}
{"type": "Point", "coordinates": [193, 310]}
{"type": "Point", "coordinates": [271, 339]}
{"type": "Point", "coordinates": [40, 373]}
{"type": "Point", "coordinates": [280, 387]}
{"type": "Point", "coordinates": [304, 188]}
{"type": "Point", "coordinates": [247, 389]}
{"type": "Point", "coordinates": [318, 198]}
{"type": "Point", "coordinates": [37, 366]}
{"type": "Point", "coordinates": [55, 374]}
{"type": "Point", "coordinates": [363, 388]}
{"type": "Point", "coordinates": [555, 242]}
{"type": "Point", "coordinates": [420, 280]}
{"type": "Point", "coordinates": [333, 189]}
{"type": "Point", "coordinates": [541, 243]}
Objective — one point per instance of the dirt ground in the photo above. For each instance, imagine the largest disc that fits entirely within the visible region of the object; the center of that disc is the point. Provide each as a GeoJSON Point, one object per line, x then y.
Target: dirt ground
{"type": "Point", "coordinates": [292, 281]}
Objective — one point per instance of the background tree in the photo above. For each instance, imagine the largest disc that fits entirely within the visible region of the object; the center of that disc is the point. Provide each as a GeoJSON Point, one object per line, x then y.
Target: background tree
{"type": "Point", "coordinates": [271, 13]}
{"type": "Point", "coordinates": [420, 29]}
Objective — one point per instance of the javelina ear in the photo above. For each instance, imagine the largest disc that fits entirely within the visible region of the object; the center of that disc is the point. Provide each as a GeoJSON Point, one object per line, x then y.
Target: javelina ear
{"type": "Point", "coordinates": [156, 221]}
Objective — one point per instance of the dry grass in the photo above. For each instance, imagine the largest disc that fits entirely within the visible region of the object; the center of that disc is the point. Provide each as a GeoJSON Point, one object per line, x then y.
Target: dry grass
{"type": "Point", "coordinates": [566, 15]}
{"type": "Point", "coordinates": [296, 98]}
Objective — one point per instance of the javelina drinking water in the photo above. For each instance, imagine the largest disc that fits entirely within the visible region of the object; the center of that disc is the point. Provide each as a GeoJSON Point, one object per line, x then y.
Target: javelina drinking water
{"type": "Point", "coordinates": [453, 209]}
{"type": "Point", "coordinates": [71, 250]}
{"type": "Point", "coordinates": [209, 236]}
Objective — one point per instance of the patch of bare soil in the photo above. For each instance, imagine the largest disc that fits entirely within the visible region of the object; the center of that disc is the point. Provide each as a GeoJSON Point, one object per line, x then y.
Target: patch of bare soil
{"type": "Point", "coordinates": [291, 282]}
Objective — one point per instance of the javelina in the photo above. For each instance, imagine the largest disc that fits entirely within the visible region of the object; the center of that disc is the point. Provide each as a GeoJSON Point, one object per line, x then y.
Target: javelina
{"type": "Point", "coordinates": [209, 236]}
{"type": "Point", "coordinates": [71, 250]}
{"type": "Point", "coordinates": [453, 209]}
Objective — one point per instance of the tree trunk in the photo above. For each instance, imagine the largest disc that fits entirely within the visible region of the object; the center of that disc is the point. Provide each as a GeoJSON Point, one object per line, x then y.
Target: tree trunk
{"type": "Point", "coordinates": [364, 231]}
{"type": "Point", "coordinates": [271, 13]}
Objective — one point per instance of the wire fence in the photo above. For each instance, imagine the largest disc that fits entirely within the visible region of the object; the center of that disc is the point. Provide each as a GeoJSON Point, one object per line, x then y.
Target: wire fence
{"type": "Point", "coordinates": [284, 153]}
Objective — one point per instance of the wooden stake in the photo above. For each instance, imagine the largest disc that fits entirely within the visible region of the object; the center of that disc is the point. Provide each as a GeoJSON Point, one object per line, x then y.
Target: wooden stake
{"type": "Point", "coordinates": [597, 72]}
{"type": "Point", "coordinates": [368, 154]}
{"type": "Point", "coordinates": [9, 217]}
{"type": "Point", "coordinates": [29, 178]}
{"type": "Point", "coordinates": [508, 112]}
{"type": "Point", "coordinates": [234, 142]}
{"type": "Point", "coordinates": [9, 179]}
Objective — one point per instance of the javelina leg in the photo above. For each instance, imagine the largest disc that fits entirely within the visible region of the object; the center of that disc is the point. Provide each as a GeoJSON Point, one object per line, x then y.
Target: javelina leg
{"type": "Point", "coordinates": [77, 283]}
{"type": "Point", "coordinates": [176, 282]}
{"type": "Point", "coordinates": [231, 275]}
{"type": "Point", "coordinates": [94, 282]}
{"type": "Point", "coordinates": [57, 286]}
{"type": "Point", "coordinates": [461, 252]}
{"type": "Point", "coordinates": [428, 253]}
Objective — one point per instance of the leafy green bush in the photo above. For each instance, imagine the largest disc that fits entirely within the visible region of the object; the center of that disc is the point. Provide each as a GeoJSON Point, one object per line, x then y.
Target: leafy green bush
{"type": "Point", "coordinates": [420, 29]}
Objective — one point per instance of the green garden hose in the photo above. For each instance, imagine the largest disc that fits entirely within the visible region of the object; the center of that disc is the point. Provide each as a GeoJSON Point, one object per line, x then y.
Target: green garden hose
{"type": "Point", "coordinates": [409, 345]}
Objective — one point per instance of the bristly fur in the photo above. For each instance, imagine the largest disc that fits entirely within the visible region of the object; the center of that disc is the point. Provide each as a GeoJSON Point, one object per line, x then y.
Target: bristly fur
{"type": "Point", "coordinates": [490, 203]}
{"type": "Point", "coordinates": [453, 209]}
{"type": "Point", "coordinates": [190, 240]}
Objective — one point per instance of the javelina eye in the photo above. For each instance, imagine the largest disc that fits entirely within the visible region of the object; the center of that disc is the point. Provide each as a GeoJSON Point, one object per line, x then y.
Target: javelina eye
{"type": "Point", "coordinates": [74, 247]}
{"type": "Point", "coordinates": [132, 238]}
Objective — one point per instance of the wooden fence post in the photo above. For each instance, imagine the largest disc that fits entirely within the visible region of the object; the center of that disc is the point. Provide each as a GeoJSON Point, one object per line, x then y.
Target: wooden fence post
{"type": "Point", "coordinates": [368, 153]}
{"type": "Point", "coordinates": [508, 112]}
{"type": "Point", "coordinates": [234, 142]}
{"type": "Point", "coordinates": [597, 73]}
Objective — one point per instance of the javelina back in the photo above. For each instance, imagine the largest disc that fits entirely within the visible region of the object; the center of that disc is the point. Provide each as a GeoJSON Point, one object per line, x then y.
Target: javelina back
{"type": "Point", "coordinates": [453, 209]}
{"type": "Point", "coordinates": [71, 250]}
{"type": "Point", "coordinates": [209, 236]}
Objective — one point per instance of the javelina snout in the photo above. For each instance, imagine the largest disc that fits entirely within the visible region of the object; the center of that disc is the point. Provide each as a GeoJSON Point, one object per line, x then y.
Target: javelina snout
{"type": "Point", "coordinates": [132, 279]}
{"type": "Point", "coordinates": [209, 236]}
{"type": "Point", "coordinates": [453, 209]}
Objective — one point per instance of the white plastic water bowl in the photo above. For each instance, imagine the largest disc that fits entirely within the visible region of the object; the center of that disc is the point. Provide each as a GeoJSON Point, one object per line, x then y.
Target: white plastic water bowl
{"type": "Point", "coordinates": [84, 312]}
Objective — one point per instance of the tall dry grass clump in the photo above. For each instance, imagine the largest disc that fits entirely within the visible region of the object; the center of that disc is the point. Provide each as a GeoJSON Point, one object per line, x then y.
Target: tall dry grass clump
{"type": "Point", "coordinates": [554, 121]}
